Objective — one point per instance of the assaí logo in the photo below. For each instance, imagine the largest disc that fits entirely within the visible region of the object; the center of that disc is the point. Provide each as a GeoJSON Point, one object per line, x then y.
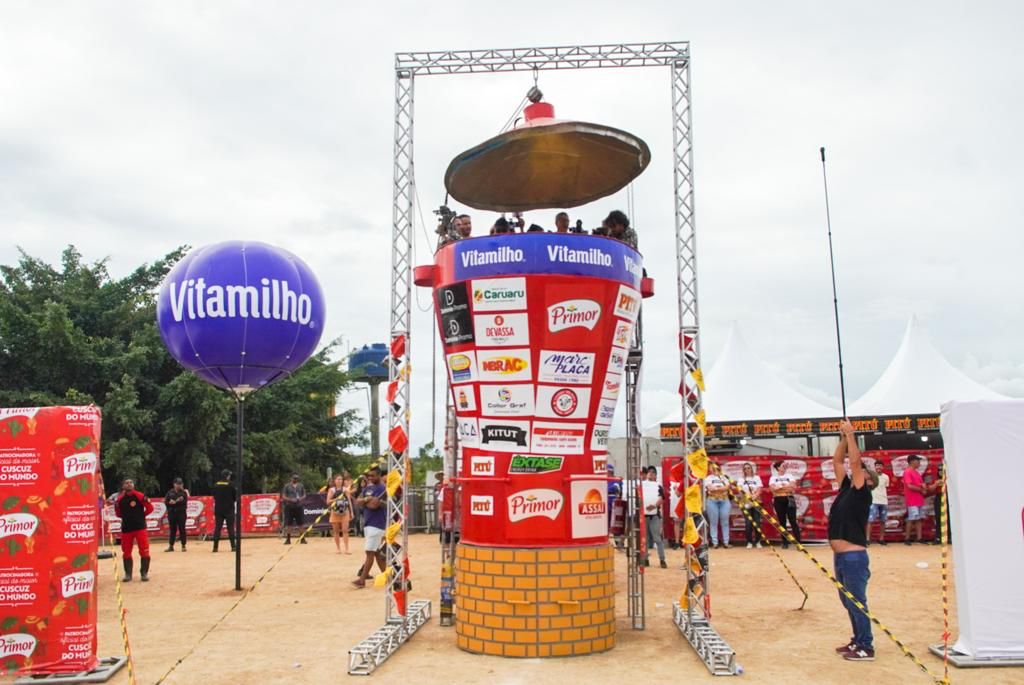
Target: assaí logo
{"type": "Point", "coordinates": [79, 583]}
{"type": "Point", "coordinates": [573, 314]}
{"type": "Point", "coordinates": [194, 299]}
{"type": "Point", "coordinates": [592, 504]}
{"type": "Point", "coordinates": [17, 644]}
{"type": "Point", "coordinates": [535, 502]}
{"type": "Point", "coordinates": [81, 464]}
{"type": "Point", "coordinates": [18, 524]}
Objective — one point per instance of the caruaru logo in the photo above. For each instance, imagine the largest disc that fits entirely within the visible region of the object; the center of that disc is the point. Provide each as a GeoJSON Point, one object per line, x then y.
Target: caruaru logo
{"type": "Point", "coordinates": [18, 524]}
{"type": "Point", "coordinates": [572, 314]}
{"type": "Point", "coordinates": [536, 502]}
{"type": "Point", "coordinates": [194, 299]}
{"type": "Point", "coordinates": [77, 584]}
{"type": "Point", "coordinates": [503, 255]}
{"type": "Point", "coordinates": [81, 464]}
{"type": "Point", "coordinates": [593, 256]}
{"type": "Point", "coordinates": [497, 294]}
{"type": "Point", "coordinates": [17, 644]}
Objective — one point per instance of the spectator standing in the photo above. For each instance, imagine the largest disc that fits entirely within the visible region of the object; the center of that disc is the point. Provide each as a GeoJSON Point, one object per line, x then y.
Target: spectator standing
{"type": "Point", "coordinates": [562, 222]}
{"type": "Point", "coordinates": [373, 500]}
{"type": "Point", "coordinates": [914, 492]}
{"type": "Point", "coordinates": [463, 226]}
{"type": "Point", "coordinates": [879, 506]}
{"type": "Point", "coordinates": [132, 507]}
{"type": "Point", "coordinates": [783, 486]}
{"type": "Point", "coordinates": [653, 497]}
{"type": "Point", "coordinates": [340, 502]}
{"type": "Point", "coordinates": [616, 225]}
{"type": "Point", "coordinates": [357, 508]}
{"type": "Point", "coordinates": [718, 508]}
{"type": "Point", "coordinates": [292, 495]}
{"type": "Point", "coordinates": [176, 500]}
{"type": "Point", "coordinates": [847, 524]}
{"type": "Point", "coordinates": [614, 488]}
{"type": "Point", "coordinates": [224, 497]}
{"type": "Point", "coordinates": [751, 485]}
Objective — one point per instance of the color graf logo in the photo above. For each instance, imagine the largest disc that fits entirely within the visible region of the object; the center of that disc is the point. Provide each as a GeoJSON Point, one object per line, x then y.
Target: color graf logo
{"type": "Point", "coordinates": [535, 502]}
{"type": "Point", "coordinates": [566, 368]}
{"type": "Point", "coordinates": [80, 583]}
{"type": "Point", "coordinates": [502, 330]}
{"type": "Point", "coordinates": [524, 464]}
{"type": "Point", "coordinates": [592, 504]}
{"type": "Point", "coordinates": [481, 505]}
{"type": "Point", "coordinates": [81, 464]}
{"type": "Point", "coordinates": [18, 524]}
{"type": "Point", "coordinates": [506, 400]}
{"type": "Point", "coordinates": [573, 314]}
{"type": "Point", "coordinates": [627, 303]}
{"type": "Point", "coordinates": [481, 466]}
{"type": "Point", "coordinates": [504, 365]}
{"type": "Point", "coordinates": [494, 294]}
{"type": "Point", "coordinates": [462, 367]}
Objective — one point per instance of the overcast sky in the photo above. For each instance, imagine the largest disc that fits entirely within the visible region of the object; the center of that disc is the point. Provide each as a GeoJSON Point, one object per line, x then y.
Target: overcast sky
{"type": "Point", "coordinates": [128, 129]}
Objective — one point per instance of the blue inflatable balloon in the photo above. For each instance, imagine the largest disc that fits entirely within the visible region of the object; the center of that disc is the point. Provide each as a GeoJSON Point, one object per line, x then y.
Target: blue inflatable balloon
{"type": "Point", "coordinates": [240, 315]}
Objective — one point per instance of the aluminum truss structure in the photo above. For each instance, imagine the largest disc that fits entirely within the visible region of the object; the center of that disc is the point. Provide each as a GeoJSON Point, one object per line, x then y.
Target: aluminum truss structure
{"type": "Point", "coordinates": [409, 65]}
{"type": "Point", "coordinates": [634, 543]}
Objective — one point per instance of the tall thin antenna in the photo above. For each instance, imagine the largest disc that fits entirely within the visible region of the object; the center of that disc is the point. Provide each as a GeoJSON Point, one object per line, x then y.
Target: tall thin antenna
{"type": "Point", "coordinates": [835, 298]}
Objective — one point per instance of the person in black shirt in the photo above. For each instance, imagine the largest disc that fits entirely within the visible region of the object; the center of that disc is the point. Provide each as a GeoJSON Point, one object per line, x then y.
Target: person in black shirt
{"type": "Point", "coordinates": [133, 507]}
{"type": "Point", "coordinates": [176, 500]}
{"type": "Point", "coordinates": [847, 521]}
{"type": "Point", "coordinates": [224, 509]}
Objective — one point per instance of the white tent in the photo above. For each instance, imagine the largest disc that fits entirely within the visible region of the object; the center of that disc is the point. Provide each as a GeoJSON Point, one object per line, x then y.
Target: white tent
{"type": "Point", "coordinates": [918, 380]}
{"type": "Point", "coordinates": [741, 387]}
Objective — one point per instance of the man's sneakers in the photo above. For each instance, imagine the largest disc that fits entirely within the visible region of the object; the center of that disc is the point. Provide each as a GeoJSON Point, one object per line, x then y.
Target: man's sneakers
{"type": "Point", "coordinates": [860, 654]}
{"type": "Point", "coordinates": [848, 647]}
{"type": "Point", "coordinates": [302, 540]}
{"type": "Point", "coordinates": [664, 564]}
{"type": "Point", "coordinates": [758, 545]}
{"type": "Point", "coordinates": [750, 546]}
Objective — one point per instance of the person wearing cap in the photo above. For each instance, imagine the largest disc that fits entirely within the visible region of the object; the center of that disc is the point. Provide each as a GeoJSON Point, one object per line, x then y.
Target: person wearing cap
{"type": "Point", "coordinates": [292, 495]}
{"type": "Point", "coordinates": [224, 498]}
{"type": "Point", "coordinates": [176, 500]}
{"type": "Point", "coordinates": [614, 493]}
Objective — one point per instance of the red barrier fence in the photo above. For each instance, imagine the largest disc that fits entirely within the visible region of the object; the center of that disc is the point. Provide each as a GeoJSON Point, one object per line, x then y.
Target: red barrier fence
{"type": "Point", "coordinates": [815, 493]}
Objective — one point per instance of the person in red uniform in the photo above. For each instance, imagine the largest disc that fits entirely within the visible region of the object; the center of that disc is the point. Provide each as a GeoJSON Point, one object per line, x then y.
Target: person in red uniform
{"type": "Point", "coordinates": [132, 507]}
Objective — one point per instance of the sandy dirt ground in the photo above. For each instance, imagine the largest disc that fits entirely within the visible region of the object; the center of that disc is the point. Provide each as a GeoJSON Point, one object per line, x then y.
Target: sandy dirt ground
{"type": "Point", "coordinates": [299, 623]}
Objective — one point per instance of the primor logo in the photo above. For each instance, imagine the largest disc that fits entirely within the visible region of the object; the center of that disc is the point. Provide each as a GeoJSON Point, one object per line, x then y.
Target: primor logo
{"type": "Point", "coordinates": [17, 644]}
{"type": "Point", "coordinates": [81, 464]}
{"type": "Point", "coordinates": [18, 524]}
{"type": "Point", "coordinates": [79, 583]}
{"type": "Point", "coordinates": [573, 314]}
{"type": "Point", "coordinates": [535, 502]}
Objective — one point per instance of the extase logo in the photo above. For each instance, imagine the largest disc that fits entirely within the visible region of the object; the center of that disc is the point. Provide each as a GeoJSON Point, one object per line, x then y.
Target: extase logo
{"type": "Point", "coordinates": [481, 505]}
{"type": "Point", "coordinates": [79, 583]}
{"type": "Point", "coordinates": [525, 464]}
{"type": "Point", "coordinates": [81, 464]}
{"type": "Point", "coordinates": [573, 314]}
{"type": "Point", "coordinates": [535, 502]}
{"type": "Point", "coordinates": [18, 524]}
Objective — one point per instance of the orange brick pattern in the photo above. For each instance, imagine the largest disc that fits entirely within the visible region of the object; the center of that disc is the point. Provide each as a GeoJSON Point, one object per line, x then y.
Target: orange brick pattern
{"type": "Point", "coordinates": [557, 601]}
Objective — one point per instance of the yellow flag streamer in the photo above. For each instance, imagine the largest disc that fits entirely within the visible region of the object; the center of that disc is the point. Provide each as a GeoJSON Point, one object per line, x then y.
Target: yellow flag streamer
{"type": "Point", "coordinates": [695, 565]}
{"type": "Point", "coordinates": [382, 579]}
{"type": "Point", "coordinates": [690, 536]}
{"type": "Point", "coordinates": [701, 422]}
{"type": "Point", "coordinates": [392, 532]}
{"type": "Point", "coordinates": [693, 503]}
{"type": "Point", "coordinates": [698, 377]}
{"type": "Point", "coordinates": [393, 481]}
{"type": "Point", "coordinates": [684, 601]}
{"type": "Point", "coordinates": [698, 461]}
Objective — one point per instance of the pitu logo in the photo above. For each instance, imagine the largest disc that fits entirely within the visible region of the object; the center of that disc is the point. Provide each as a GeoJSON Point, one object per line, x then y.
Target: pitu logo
{"type": "Point", "coordinates": [77, 584]}
{"type": "Point", "coordinates": [18, 524]}
{"type": "Point", "coordinates": [194, 299]}
{"type": "Point", "coordinates": [535, 502]}
{"type": "Point", "coordinates": [81, 464]}
{"type": "Point", "coordinates": [572, 314]}
{"type": "Point", "coordinates": [481, 505]}
{"type": "Point", "coordinates": [17, 644]}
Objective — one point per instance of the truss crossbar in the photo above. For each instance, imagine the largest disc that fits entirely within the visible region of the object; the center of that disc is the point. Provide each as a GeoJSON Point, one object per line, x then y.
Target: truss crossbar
{"type": "Point", "coordinates": [385, 641]}
{"type": "Point", "coordinates": [536, 59]}
{"type": "Point", "coordinates": [716, 654]}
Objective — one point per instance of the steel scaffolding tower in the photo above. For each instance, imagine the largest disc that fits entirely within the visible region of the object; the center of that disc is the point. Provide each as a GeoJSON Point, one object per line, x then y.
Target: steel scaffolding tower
{"type": "Point", "coordinates": [631, 484]}
{"type": "Point", "coordinates": [695, 621]}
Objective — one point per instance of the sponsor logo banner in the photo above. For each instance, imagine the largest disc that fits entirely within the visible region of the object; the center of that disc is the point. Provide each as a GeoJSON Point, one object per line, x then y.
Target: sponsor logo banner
{"type": "Point", "coordinates": [465, 399]}
{"type": "Point", "coordinates": [600, 463]}
{"type": "Point", "coordinates": [505, 436]}
{"type": "Point", "coordinates": [80, 583]}
{"type": "Point", "coordinates": [502, 330]}
{"type": "Point", "coordinates": [469, 435]}
{"type": "Point", "coordinates": [481, 466]}
{"type": "Point", "coordinates": [456, 323]}
{"type": "Point", "coordinates": [558, 438]}
{"type": "Point", "coordinates": [627, 303]}
{"type": "Point", "coordinates": [504, 365]}
{"type": "Point", "coordinates": [562, 403]}
{"type": "Point", "coordinates": [534, 502]}
{"type": "Point", "coordinates": [18, 524]}
{"type": "Point", "coordinates": [599, 439]}
{"type": "Point", "coordinates": [589, 502]}
{"type": "Point", "coordinates": [499, 294]}
{"type": "Point", "coordinates": [506, 400]}
{"type": "Point", "coordinates": [605, 412]}
{"type": "Point", "coordinates": [573, 314]}
{"type": "Point", "coordinates": [809, 426]}
{"type": "Point", "coordinates": [17, 644]}
{"type": "Point", "coordinates": [566, 368]}
{"type": "Point", "coordinates": [481, 505]}
{"type": "Point", "coordinates": [530, 464]}
{"type": "Point", "coordinates": [611, 386]}
{"type": "Point", "coordinates": [617, 360]}
{"type": "Point", "coordinates": [545, 253]}
{"type": "Point", "coordinates": [462, 367]}
{"type": "Point", "coordinates": [623, 336]}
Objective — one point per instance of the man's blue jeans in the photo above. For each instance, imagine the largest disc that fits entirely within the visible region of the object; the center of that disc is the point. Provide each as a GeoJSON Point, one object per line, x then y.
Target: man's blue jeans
{"type": "Point", "coordinates": [852, 571]}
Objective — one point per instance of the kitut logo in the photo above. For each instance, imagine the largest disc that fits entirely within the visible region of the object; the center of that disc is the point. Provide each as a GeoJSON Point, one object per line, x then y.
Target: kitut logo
{"type": "Point", "coordinates": [81, 464]}
{"type": "Point", "coordinates": [573, 314]}
{"type": "Point", "coordinates": [77, 584]}
{"type": "Point", "coordinates": [535, 502]}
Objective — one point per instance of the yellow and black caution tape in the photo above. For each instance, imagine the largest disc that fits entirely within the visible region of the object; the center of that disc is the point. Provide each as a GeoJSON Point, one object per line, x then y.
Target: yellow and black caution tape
{"type": "Point", "coordinates": [122, 613]}
{"type": "Point", "coordinates": [943, 680]}
{"type": "Point", "coordinates": [944, 539]}
{"type": "Point", "coordinates": [241, 597]}
{"type": "Point", "coordinates": [760, 533]}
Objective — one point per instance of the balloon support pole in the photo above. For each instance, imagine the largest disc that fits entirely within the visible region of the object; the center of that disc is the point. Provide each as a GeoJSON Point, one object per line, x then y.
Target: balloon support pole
{"type": "Point", "coordinates": [240, 407]}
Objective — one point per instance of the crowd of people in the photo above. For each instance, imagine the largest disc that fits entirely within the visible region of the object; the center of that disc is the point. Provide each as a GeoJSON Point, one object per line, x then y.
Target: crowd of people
{"type": "Point", "coordinates": [615, 225]}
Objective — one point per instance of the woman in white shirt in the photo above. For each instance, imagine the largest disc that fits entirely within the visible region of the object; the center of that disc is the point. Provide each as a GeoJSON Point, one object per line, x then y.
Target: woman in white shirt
{"type": "Point", "coordinates": [751, 485]}
{"type": "Point", "coordinates": [783, 486]}
{"type": "Point", "coordinates": [718, 506]}
{"type": "Point", "coordinates": [879, 506]}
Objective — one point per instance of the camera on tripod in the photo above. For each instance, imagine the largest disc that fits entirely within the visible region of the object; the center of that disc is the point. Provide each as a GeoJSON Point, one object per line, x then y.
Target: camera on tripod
{"type": "Point", "coordinates": [445, 227]}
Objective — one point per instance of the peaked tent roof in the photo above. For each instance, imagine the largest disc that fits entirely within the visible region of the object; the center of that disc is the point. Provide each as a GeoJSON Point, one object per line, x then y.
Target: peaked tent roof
{"type": "Point", "coordinates": [918, 380]}
{"type": "Point", "coordinates": [740, 386]}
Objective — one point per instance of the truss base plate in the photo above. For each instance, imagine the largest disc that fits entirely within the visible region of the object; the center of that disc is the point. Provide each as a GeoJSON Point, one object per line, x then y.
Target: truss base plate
{"type": "Point", "coordinates": [101, 674]}
{"type": "Point", "coordinates": [385, 641]}
{"type": "Point", "coordinates": [961, 660]}
{"type": "Point", "coordinates": [717, 655]}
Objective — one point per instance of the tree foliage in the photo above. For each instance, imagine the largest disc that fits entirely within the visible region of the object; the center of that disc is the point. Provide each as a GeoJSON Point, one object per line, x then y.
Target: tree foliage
{"type": "Point", "coordinates": [74, 335]}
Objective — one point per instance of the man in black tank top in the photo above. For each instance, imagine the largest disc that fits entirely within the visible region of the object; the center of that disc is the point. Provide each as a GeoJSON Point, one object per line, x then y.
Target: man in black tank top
{"type": "Point", "coordinates": [847, 521]}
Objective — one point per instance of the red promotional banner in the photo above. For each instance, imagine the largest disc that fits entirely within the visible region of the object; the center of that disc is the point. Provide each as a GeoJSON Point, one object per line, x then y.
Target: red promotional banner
{"type": "Point", "coordinates": [261, 513]}
{"type": "Point", "coordinates": [817, 490]}
{"type": "Point", "coordinates": [49, 526]}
